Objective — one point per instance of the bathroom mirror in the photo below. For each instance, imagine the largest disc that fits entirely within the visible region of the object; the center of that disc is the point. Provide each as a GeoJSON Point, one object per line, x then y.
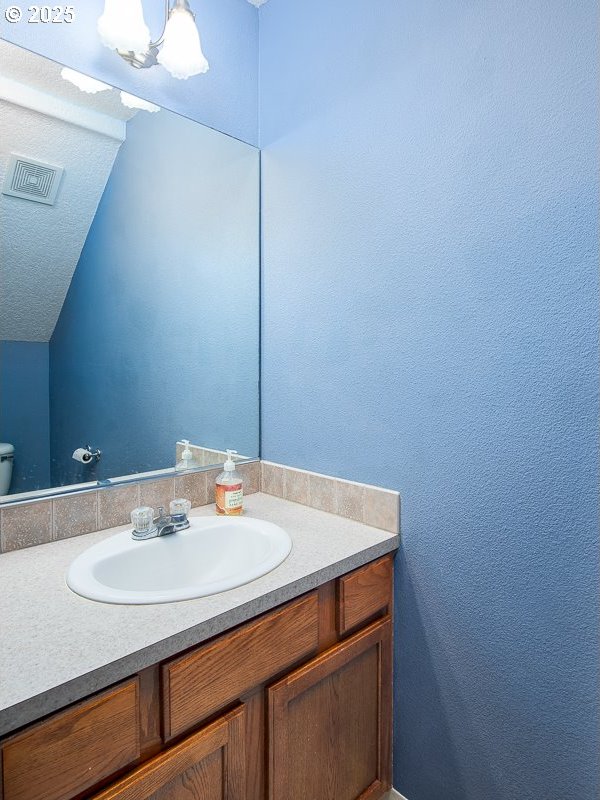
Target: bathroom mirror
{"type": "Point", "coordinates": [129, 285]}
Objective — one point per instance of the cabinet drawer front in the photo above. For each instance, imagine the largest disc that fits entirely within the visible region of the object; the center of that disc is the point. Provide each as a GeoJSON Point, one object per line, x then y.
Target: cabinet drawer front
{"type": "Point", "coordinates": [75, 749]}
{"type": "Point", "coordinates": [363, 593]}
{"type": "Point", "coordinates": [209, 765]}
{"type": "Point", "coordinates": [207, 679]}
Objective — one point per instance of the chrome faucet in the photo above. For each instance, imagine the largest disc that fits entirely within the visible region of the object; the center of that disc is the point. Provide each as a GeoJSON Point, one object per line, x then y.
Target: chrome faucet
{"type": "Point", "coordinates": [147, 526]}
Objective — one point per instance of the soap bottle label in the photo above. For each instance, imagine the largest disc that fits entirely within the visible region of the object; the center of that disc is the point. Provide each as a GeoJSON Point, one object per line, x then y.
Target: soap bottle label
{"type": "Point", "coordinates": [229, 498]}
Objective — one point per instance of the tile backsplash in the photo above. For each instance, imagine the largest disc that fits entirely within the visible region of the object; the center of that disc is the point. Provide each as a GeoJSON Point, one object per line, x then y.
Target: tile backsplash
{"type": "Point", "coordinates": [26, 525]}
{"type": "Point", "coordinates": [369, 504]}
{"type": "Point", "coordinates": [39, 521]}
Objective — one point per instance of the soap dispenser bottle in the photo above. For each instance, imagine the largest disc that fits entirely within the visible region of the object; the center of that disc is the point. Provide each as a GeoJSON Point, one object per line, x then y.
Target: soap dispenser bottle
{"type": "Point", "coordinates": [229, 490]}
{"type": "Point", "coordinates": [187, 457]}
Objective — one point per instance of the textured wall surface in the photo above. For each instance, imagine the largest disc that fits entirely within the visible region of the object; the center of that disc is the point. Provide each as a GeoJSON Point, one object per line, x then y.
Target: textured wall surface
{"type": "Point", "coordinates": [158, 337]}
{"type": "Point", "coordinates": [41, 244]}
{"type": "Point", "coordinates": [430, 307]}
{"type": "Point", "coordinates": [225, 98]}
{"type": "Point", "coordinates": [24, 412]}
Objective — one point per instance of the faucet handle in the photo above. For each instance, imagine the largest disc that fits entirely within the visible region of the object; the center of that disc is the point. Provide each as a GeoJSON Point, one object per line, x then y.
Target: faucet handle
{"type": "Point", "coordinates": [143, 520]}
{"type": "Point", "coordinates": [180, 507]}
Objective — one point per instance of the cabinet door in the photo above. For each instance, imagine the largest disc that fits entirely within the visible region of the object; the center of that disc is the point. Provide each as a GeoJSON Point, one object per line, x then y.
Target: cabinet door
{"type": "Point", "coordinates": [330, 723]}
{"type": "Point", "coordinates": [208, 765]}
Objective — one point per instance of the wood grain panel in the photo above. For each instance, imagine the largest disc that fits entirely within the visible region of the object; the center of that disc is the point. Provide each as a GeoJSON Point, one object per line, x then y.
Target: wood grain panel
{"type": "Point", "coordinates": [364, 593]}
{"type": "Point", "coordinates": [75, 749]}
{"type": "Point", "coordinates": [256, 736]}
{"type": "Point", "coordinates": [330, 720]}
{"type": "Point", "coordinates": [150, 734]}
{"type": "Point", "coordinates": [202, 682]}
{"type": "Point", "coordinates": [208, 765]}
{"type": "Point", "coordinates": [327, 615]}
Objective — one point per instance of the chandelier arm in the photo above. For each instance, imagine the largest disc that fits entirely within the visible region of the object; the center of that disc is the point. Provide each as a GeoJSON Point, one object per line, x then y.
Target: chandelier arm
{"type": "Point", "coordinates": [159, 41]}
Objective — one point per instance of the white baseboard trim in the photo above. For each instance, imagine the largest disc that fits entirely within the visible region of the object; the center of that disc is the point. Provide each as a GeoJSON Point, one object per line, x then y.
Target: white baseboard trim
{"type": "Point", "coordinates": [394, 795]}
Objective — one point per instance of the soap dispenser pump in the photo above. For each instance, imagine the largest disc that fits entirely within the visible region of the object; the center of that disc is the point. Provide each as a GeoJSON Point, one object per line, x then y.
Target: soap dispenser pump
{"type": "Point", "coordinates": [187, 457]}
{"type": "Point", "coordinates": [229, 488]}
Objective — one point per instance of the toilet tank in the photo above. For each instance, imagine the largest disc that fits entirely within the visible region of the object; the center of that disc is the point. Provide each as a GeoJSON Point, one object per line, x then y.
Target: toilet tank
{"type": "Point", "coordinates": [7, 452]}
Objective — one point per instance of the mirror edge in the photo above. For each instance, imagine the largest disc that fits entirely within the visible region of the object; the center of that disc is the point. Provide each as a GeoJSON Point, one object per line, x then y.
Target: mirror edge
{"type": "Point", "coordinates": [94, 486]}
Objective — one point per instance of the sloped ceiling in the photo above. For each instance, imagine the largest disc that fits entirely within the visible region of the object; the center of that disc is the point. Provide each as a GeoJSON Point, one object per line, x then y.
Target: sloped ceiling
{"type": "Point", "coordinates": [40, 244]}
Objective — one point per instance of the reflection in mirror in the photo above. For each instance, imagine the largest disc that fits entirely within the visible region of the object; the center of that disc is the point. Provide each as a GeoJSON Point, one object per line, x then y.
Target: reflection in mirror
{"type": "Point", "coordinates": [128, 284]}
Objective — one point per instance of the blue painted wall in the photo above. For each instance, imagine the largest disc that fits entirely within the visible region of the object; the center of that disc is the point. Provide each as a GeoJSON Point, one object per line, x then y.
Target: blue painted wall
{"type": "Point", "coordinates": [225, 98]}
{"type": "Point", "coordinates": [24, 412]}
{"type": "Point", "coordinates": [143, 353]}
{"type": "Point", "coordinates": [430, 324]}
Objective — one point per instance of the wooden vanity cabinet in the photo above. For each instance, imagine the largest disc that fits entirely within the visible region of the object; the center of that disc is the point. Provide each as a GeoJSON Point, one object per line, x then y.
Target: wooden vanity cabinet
{"type": "Point", "coordinates": [208, 765]}
{"type": "Point", "coordinates": [295, 704]}
{"type": "Point", "coordinates": [215, 674]}
{"type": "Point", "coordinates": [75, 749]}
{"type": "Point", "coordinates": [364, 594]}
{"type": "Point", "coordinates": [330, 722]}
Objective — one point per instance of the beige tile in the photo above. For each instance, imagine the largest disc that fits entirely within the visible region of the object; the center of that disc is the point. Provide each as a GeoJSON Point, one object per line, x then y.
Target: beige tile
{"type": "Point", "coordinates": [350, 500]}
{"type": "Point", "coordinates": [251, 475]}
{"type": "Point", "coordinates": [116, 504]}
{"type": "Point", "coordinates": [207, 458]}
{"type": "Point", "coordinates": [272, 479]}
{"type": "Point", "coordinates": [295, 486]}
{"type": "Point", "coordinates": [203, 458]}
{"type": "Point", "coordinates": [211, 476]}
{"type": "Point", "coordinates": [192, 487]}
{"type": "Point", "coordinates": [157, 493]}
{"type": "Point", "coordinates": [74, 515]}
{"type": "Point", "coordinates": [213, 457]}
{"type": "Point", "coordinates": [26, 525]}
{"type": "Point", "coordinates": [382, 509]}
{"type": "Point", "coordinates": [323, 493]}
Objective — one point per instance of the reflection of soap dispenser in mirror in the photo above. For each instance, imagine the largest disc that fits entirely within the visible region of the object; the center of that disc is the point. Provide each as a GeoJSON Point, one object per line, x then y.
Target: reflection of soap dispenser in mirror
{"type": "Point", "coordinates": [187, 457]}
{"type": "Point", "coordinates": [229, 490]}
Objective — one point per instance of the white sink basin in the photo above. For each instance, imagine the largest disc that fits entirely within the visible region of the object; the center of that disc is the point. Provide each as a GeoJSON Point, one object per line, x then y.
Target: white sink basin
{"type": "Point", "coordinates": [213, 555]}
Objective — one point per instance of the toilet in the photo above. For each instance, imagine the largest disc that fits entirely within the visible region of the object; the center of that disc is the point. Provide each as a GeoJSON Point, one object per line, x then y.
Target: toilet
{"type": "Point", "coordinates": [7, 454]}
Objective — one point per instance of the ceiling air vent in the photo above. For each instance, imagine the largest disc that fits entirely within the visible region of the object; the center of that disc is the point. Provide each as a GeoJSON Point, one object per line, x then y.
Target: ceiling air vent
{"type": "Point", "coordinates": [32, 180]}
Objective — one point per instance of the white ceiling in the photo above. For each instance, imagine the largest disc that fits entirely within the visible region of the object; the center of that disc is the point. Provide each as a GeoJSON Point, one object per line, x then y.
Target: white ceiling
{"type": "Point", "coordinates": [40, 73]}
{"type": "Point", "coordinates": [47, 119]}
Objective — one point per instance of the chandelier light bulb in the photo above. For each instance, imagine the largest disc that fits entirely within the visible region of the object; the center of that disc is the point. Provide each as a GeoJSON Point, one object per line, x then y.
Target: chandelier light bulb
{"type": "Point", "coordinates": [122, 26]}
{"type": "Point", "coordinates": [181, 53]}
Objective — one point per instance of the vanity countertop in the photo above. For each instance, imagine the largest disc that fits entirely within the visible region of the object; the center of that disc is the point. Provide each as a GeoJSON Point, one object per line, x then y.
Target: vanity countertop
{"type": "Point", "coordinates": [57, 647]}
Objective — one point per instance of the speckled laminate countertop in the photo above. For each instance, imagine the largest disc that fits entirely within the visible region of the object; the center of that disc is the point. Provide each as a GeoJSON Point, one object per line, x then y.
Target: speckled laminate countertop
{"type": "Point", "coordinates": [57, 647]}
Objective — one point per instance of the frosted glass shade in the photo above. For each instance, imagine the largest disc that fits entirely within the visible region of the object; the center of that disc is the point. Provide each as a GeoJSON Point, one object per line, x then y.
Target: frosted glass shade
{"type": "Point", "coordinates": [131, 101]}
{"type": "Point", "coordinates": [181, 53]}
{"type": "Point", "coordinates": [122, 26]}
{"type": "Point", "coordinates": [83, 82]}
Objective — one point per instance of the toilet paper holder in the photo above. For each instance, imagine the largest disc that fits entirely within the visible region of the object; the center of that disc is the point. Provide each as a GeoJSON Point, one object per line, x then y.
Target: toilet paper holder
{"type": "Point", "coordinates": [85, 455]}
